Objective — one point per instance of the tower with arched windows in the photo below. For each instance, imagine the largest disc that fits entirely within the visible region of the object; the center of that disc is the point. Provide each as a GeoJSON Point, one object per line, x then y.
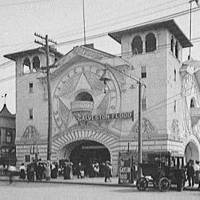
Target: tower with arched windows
{"type": "Point", "coordinates": [31, 94]}
{"type": "Point", "coordinates": [155, 52]}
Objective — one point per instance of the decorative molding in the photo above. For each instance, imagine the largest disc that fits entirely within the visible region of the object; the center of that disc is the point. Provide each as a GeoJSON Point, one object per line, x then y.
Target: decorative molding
{"type": "Point", "coordinates": [148, 130]}
{"type": "Point", "coordinates": [175, 128]}
{"type": "Point", "coordinates": [30, 136]}
{"type": "Point", "coordinates": [85, 132]}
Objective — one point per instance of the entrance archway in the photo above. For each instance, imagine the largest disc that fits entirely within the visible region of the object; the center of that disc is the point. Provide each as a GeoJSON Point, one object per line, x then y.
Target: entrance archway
{"type": "Point", "coordinates": [191, 152]}
{"type": "Point", "coordinates": [76, 134]}
{"type": "Point", "coordinates": [86, 152]}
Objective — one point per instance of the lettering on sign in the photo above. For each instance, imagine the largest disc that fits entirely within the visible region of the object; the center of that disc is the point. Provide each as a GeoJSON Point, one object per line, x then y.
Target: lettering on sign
{"type": "Point", "coordinates": [125, 115]}
{"type": "Point", "coordinates": [125, 169]}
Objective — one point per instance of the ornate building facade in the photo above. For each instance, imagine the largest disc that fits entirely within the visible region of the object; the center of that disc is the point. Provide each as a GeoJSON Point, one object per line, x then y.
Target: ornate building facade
{"type": "Point", "coordinates": [170, 101]}
{"type": "Point", "coordinates": [7, 137]}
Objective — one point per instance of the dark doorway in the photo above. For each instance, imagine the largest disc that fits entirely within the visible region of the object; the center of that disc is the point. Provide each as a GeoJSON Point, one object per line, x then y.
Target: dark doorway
{"type": "Point", "coordinates": [88, 152]}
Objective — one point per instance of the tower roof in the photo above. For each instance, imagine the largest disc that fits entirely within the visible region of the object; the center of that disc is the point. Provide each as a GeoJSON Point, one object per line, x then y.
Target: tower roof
{"type": "Point", "coordinates": [14, 56]}
{"type": "Point", "coordinates": [169, 24]}
{"type": "Point", "coordinates": [5, 113]}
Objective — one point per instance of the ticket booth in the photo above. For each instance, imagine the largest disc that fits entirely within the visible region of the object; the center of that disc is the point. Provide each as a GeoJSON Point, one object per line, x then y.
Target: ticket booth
{"type": "Point", "coordinates": [126, 168]}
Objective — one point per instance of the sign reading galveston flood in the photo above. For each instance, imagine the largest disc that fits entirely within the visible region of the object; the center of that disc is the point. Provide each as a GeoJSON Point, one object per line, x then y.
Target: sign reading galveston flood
{"type": "Point", "coordinates": [124, 115]}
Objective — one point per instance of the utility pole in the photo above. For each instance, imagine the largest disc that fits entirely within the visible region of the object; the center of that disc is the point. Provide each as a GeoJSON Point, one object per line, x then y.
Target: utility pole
{"type": "Point", "coordinates": [84, 34]}
{"type": "Point", "coordinates": [139, 128]}
{"type": "Point", "coordinates": [190, 30]}
{"type": "Point", "coordinates": [46, 45]}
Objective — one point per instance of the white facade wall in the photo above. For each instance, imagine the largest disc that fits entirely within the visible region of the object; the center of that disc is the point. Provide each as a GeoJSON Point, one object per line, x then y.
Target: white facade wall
{"type": "Point", "coordinates": [156, 86]}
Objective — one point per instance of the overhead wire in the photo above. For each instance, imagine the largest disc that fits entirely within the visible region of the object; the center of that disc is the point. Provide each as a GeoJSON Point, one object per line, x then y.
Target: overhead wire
{"type": "Point", "coordinates": [22, 3]}
{"type": "Point", "coordinates": [96, 26]}
{"type": "Point", "coordinates": [95, 36]}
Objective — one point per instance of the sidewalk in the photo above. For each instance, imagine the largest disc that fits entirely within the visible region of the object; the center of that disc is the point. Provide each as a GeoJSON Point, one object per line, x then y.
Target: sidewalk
{"type": "Point", "coordinates": [84, 181]}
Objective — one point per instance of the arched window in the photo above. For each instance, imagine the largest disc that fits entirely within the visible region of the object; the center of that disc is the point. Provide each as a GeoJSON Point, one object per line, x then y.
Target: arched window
{"type": "Point", "coordinates": [26, 66]}
{"type": "Point", "coordinates": [176, 49]}
{"type": "Point", "coordinates": [36, 63]}
{"type": "Point", "coordinates": [84, 96]}
{"type": "Point", "coordinates": [150, 41]}
{"type": "Point", "coordinates": [172, 44]}
{"type": "Point", "coordinates": [137, 45]}
{"type": "Point", "coordinates": [192, 103]}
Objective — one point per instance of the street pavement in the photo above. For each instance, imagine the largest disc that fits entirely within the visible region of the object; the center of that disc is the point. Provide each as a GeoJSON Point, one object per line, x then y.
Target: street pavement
{"type": "Point", "coordinates": [48, 191]}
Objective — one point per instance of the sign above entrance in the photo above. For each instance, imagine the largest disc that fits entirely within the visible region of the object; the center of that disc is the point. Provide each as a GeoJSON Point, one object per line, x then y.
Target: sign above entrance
{"type": "Point", "coordinates": [124, 115]}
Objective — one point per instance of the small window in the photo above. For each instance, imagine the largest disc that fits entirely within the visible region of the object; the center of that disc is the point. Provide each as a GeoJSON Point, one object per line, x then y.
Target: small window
{"type": "Point", "coordinates": [27, 158]}
{"type": "Point", "coordinates": [30, 113]}
{"type": "Point", "coordinates": [137, 46]}
{"type": "Point", "coordinates": [143, 72]}
{"type": "Point", "coordinates": [176, 50]}
{"type": "Point", "coordinates": [150, 42]}
{"type": "Point", "coordinates": [8, 137]}
{"type": "Point", "coordinates": [30, 87]}
{"type": "Point", "coordinates": [192, 104]}
{"type": "Point", "coordinates": [174, 74]}
{"type": "Point", "coordinates": [144, 104]}
{"type": "Point", "coordinates": [175, 106]}
{"type": "Point", "coordinates": [172, 44]}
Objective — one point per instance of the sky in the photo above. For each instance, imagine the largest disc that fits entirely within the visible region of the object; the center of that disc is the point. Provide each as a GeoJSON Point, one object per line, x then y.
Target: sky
{"type": "Point", "coordinates": [62, 20]}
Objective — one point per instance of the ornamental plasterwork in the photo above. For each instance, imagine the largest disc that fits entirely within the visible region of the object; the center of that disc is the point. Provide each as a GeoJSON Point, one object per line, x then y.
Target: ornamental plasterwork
{"type": "Point", "coordinates": [79, 78]}
{"type": "Point", "coordinates": [186, 118]}
{"type": "Point", "coordinates": [175, 128]}
{"type": "Point", "coordinates": [187, 84]}
{"type": "Point", "coordinates": [148, 129]}
{"type": "Point", "coordinates": [31, 135]}
{"type": "Point", "coordinates": [196, 130]}
{"type": "Point", "coordinates": [89, 53]}
{"type": "Point", "coordinates": [189, 90]}
{"type": "Point", "coordinates": [88, 127]}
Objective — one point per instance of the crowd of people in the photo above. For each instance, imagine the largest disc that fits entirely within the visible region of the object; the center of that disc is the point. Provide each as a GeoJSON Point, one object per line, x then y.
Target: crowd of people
{"type": "Point", "coordinates": [38, 170]}
{"type": "Point", "coordinates": [44, 170]}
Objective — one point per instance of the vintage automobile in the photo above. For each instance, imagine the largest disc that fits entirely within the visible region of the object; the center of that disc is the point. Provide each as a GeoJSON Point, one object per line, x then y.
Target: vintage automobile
{"type": "Point", "coordinates": [162, 170]}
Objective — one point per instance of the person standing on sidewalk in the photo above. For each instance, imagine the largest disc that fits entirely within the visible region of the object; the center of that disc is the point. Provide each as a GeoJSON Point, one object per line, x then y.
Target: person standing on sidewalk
{"type": "Point", "coordinates": [108, 171]}
{"type": "Point", "coordinates": [190, 173]}
{"type": "Point", "coordinates": [197, 173]}
{"type": "Point", "coordinates": [11, 170]}
{"type": "Point", "coordinates": [48, 171]}
{"type": "Point", "coordinates": [22, 173]}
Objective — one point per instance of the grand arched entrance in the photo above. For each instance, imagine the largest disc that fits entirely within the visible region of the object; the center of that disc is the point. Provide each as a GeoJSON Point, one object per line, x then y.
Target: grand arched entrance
{"type": "Point", "coordinates": [96, 142]}
{"type": "Point", "coordinates": [191, 152]}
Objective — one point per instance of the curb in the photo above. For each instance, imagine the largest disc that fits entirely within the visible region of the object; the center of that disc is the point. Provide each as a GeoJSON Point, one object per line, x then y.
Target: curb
{"type": "Point", "coordinates": [73, 183]}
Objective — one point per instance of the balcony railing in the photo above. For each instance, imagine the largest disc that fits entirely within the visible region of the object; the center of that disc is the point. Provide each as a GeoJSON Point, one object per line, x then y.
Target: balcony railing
{"type": "Point", "coordinates": [82, 106]}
